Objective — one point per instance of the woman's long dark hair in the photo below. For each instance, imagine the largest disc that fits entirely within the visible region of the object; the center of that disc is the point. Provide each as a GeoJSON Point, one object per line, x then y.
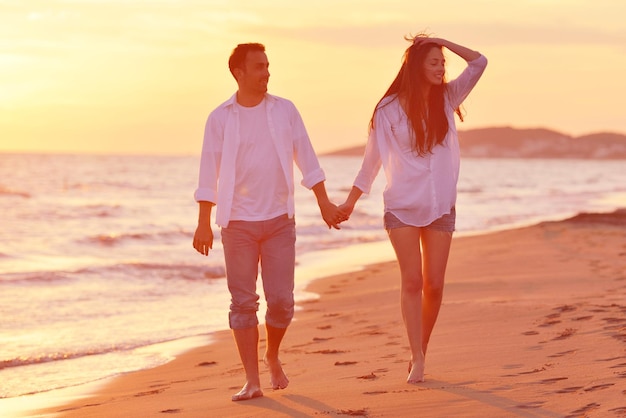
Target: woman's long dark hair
{"type": "Point", "coordinates": [427, 121]}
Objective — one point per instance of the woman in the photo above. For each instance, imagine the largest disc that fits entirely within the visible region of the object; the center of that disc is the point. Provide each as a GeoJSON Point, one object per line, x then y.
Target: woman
{"type": "Point", "coordinates": [412, 134]}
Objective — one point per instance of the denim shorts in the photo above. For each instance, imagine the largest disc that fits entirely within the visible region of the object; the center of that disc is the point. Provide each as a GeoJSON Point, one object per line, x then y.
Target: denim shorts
{"type": "Point", "coordinates": [445, 224]}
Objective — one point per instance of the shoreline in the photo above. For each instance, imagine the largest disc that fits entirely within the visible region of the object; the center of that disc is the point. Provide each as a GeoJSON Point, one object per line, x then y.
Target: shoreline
{"type": "Point", "coordinates": [335, 342]}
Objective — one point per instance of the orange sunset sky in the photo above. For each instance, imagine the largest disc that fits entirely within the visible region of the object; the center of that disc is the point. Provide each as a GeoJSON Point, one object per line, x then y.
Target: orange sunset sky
{"type": "Point", "coordinates": [141, 76]}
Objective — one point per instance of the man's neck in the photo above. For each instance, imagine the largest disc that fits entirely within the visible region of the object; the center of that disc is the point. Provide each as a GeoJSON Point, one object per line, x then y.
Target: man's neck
{"type": "Point", "coordinates": [249, 100]}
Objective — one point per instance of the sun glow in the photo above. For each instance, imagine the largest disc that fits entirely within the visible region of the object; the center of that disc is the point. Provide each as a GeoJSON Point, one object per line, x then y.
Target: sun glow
{"type": "Point", "coordinates": [141, 76]}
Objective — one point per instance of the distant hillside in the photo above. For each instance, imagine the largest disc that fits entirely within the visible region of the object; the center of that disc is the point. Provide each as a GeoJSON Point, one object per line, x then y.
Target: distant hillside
{"type": "Point", "coordinates": [506, 142]}
{"type": "Point", "coordinates": [540, 143]}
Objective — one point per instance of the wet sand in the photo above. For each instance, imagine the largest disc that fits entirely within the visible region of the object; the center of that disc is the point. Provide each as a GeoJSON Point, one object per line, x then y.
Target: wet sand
{"type": "Point", "coordinates": [533, 324]}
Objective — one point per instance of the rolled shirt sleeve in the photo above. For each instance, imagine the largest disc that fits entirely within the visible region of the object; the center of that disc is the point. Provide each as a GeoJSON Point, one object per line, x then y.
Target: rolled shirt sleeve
{"type": "Point", "coordinates": [303, 153]}
{"type": "Point", "coordinates": [210, 159]}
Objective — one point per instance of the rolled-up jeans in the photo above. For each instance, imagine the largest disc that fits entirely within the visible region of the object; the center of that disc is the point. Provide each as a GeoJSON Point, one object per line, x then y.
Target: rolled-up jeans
{"type": "Point", "coordinates": [272, 243]}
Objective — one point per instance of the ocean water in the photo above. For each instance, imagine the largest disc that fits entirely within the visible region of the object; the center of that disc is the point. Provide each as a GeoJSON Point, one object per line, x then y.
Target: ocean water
{"type": "Point", "coordinates": [97, 271]}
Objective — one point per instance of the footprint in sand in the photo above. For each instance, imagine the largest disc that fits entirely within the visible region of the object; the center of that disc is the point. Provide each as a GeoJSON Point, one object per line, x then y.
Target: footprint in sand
{"type": "Point", "coordinates": [371, 332]}
{"type": "Point", "coordinates": [234, 371]}
{"type": "Point", "coordinates": [568, 332]}
{"type": "Point", "coordinates": [149, 392]}
{"type": "Point", "coordinates": [572, 389]}
{"type": "Point", "coordinates": [296, 349]}
{"type": "Point", "coordinates": [319, 339]}
{"type": "Point", "coordinates": [543, 369]}
{"type": "Point", "coordinates": [512, 366]}
{"type": "Point", "coordinates": [612, 320]}
{"type": "Point", "coordinates": [353, 412]}
{"type": "Point", "coordinates": [552, 380]}
{"type": "Point", "coordinates": [584, 410]}
{"type": "Point", "coordinates": [565, 308]}
{"type": "Point", "coordinates": [328, 351]}
{"type": "Point", "coordinates": [550, 323]}
{"type": "Point", "coordinates": [531, 405]}
{"type": "Point", "coordinates": [611, 358]}
{"type": "Point", "coordinates": [562, 353]}
{"type": "Point", "coordinates": [599, 387]}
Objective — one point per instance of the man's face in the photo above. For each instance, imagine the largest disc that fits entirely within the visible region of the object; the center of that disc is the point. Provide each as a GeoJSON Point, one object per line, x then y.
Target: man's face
{"type": "Point", "coordinates": [255, 75]}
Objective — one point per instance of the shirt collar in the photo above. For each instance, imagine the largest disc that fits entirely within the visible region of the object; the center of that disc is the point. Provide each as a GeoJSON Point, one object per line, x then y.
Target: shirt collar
{"type": "Point", "coordinates": [233, 99]}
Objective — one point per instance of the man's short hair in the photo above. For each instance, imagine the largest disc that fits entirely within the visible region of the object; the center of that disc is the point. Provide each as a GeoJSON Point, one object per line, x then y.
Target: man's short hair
{"type": "Point", "coordinates": [238, 56]}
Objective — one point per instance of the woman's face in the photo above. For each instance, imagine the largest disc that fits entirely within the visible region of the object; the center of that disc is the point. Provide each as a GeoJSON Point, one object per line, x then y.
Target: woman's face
{"type": "Point", "coordinates": [434, 66]}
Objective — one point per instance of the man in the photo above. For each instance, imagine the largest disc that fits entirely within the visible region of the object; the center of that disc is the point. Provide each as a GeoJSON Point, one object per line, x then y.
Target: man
{"type": "Point", "coordinates": [250, 144]}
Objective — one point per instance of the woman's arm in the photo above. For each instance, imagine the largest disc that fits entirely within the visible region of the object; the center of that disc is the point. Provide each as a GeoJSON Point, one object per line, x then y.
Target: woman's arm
{"type": "Point", "coordinates": [351, 200]}
{"type": "Point", "coordinates": [463, 52]}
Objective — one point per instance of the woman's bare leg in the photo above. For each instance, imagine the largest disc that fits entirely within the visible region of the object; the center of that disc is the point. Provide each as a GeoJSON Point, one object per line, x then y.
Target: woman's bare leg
{"type": "Point", "coordinates": [435, 251]}
{"type": "Point", "coordinates": [406, 243]}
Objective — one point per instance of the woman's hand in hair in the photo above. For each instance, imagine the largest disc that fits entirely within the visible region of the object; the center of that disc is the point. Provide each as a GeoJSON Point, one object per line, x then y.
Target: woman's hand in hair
{"type": "Point", "coordinates": [463, 52]}
{"type": "Point", "coordinates": [422, 39]}
{"type": "Point", "coordinates": [417, 39]}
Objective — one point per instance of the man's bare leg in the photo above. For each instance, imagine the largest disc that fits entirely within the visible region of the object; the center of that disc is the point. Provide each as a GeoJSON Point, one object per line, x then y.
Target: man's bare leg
{"type": "Point", "coordinates": [278, 378]}
{"type": "Point", "coordinates": [247, 340]}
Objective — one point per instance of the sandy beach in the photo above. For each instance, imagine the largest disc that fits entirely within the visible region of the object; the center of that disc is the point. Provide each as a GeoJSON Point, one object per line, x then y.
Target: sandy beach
{"type": "Point", "coordinates": [533, 324]}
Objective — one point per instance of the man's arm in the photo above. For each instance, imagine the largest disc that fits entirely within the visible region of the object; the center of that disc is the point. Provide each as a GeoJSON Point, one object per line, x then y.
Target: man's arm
{"type": "Point", "coordinates": [331, 214]}
{"type": "Point", "coordinates": [203, 237]}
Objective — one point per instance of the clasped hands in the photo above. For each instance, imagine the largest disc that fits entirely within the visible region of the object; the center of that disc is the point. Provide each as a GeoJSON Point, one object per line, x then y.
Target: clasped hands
{"type": "Point", "coordinates": [334, 215]}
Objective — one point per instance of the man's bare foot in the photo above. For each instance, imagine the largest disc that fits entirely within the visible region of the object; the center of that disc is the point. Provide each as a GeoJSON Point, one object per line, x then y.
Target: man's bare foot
{"type": "Point", "coordinates": [416, 373]}
{"type": "Point", "coordinates": [278, 378]}
{"type": "Point", "coordinates": [247, 392]}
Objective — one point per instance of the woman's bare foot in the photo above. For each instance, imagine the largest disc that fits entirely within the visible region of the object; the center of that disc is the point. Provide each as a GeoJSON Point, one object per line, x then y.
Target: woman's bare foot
{"type": "Point", "coordinates": [416, 373]}
{"type": "Point", "coordinates": [278, 378]}
{"type": "Point", "coordinates": [247, 392]}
